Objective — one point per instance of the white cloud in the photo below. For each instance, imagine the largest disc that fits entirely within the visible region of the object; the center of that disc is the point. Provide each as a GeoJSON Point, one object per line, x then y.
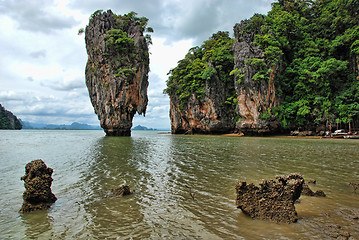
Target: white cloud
{"type": "Point", "coordinates": [43, 59]}
{"type": "Point", "coordinates": [38, 54]}
{"type": "Point", "coordinates": [10, 96]}
{"type": "Point", "coordinates": [37, 15]}
{"type": "Point", "coordinates": [165, 56]}
{"type": "Point", "coordinates": [67, 82]}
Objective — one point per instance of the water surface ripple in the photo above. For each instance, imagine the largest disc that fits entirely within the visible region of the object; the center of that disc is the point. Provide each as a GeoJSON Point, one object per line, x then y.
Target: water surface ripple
{"type": "Point", "coordinates": [184, 185]}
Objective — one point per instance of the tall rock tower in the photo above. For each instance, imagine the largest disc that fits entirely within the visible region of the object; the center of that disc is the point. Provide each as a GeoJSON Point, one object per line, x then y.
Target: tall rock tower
{"type": "Point", "coordinates": [254, 81]}
{"type": "Point", "coordinates": [201, 89]}
{"type": "Point", "coordinates": [117, 69]}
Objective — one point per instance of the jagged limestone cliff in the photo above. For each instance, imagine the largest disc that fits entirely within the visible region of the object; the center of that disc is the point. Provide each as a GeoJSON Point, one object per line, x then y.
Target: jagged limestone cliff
{"type": "Point", "coordinates": [295, 70]}
{"type": "Point", "coordinates": [224, 86]}
{"type": "Point", "coordinates": [8, 120]}
{"type": "Point", "coordinates": [207, 115]}
{"type": "Point", "coordinates": [201, 89]}
{"type": "Point", "coordinates": [254, 84]}
{"type": "Point", "coordinates": [117, 69]}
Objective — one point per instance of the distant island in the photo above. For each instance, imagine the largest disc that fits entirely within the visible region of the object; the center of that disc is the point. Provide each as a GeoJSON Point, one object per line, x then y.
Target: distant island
{"type": "Point", "coordinates": [73, 126]}
{"type": "Point", "coordinates": [139, 127]}
{"type": "Point", "coordinates": [8, 120]}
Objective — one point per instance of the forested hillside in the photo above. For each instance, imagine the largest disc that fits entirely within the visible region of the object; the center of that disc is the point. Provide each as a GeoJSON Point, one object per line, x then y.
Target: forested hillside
{"type": "Point", "coordinates": [308, 49]}
{"type": "Point", "coordinates": [317, 46]}
{"type": "Point", "coordinates": [8, 120]}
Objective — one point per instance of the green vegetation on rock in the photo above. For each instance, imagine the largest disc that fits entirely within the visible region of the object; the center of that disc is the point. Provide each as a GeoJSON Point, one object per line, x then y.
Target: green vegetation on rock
{"type": "Point", "coordinates": [119, 43]}
{"type": "Point", "coordinates": [306, 53]}
{"type": "Point", "coordinates": [8, 120]}
{"type": "Point", "coordinates": [213, 58]}
{"type": "Point", "coordinates": [317, 45]}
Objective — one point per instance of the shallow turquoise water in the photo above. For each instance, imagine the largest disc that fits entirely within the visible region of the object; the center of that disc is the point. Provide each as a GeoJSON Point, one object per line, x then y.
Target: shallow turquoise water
{"type": "Point", "coordinates": [184, 185]}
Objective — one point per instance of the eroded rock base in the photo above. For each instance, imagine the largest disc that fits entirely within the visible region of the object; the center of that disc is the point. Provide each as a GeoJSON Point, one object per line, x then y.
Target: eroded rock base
{"type": "Point", "coordinates": [38, 195]}
{"type": "Point", "coordinates": [118, 132]}
{"type": "Point", "coordinates": [273, 200]}
{"type": "Point", "coordinates": [308, 192]}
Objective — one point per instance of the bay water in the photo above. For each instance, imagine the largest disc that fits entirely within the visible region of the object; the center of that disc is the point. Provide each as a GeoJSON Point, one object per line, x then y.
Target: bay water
{"type": "Point", "coordinates": [184, 185]}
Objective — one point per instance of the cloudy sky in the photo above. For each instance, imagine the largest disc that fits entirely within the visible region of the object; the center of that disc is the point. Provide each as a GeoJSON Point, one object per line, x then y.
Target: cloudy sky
{"type": "Point", "coordinates": [43, 58]}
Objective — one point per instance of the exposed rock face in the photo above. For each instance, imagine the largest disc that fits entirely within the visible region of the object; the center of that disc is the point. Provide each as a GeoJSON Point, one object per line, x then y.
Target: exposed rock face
{"type": "Point", "coordinates": [8, 120]}
{"type": "Point", "coordinates": [38, 195]}
{"type": "Point", "coordinates": [117, 70]}
{"type": "Point", "coordinates": [206, 116]}
{"type": "Point", "coordinates": [254, 96]}
{"type": "Point", "coordinates": [201, 88]}
{"type": "Point", "coordinates": [273, 200]}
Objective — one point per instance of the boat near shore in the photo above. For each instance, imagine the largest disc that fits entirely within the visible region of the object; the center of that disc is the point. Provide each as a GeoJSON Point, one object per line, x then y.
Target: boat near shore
{"type": "Point", "coordinates": [341, 133]}
{"type": "Point", "coordinates": [352, 136]}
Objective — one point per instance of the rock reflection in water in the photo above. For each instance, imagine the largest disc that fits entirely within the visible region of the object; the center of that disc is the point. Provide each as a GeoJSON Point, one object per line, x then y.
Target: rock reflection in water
{"type": "Point", "coordinates": [111, 216]}
{"type": "Point", "coordinates": [185, 187]}
{"type": "Point", "coordinates": [38, 225]}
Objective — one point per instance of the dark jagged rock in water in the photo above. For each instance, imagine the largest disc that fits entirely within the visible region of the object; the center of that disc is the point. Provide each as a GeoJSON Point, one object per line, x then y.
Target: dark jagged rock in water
{"type": "Point", "coordinates": [38, 195]}
{"type": "Point", "coordinates": [308, 192]}
{"type": "Point", "coordinates": [117, 69]}
{"type": "Point", "coordinates": [354, 185]}
{"type": "Point", "coordinates": [312, 181]}
{"type": "Point", "coordinates": [273, 200]}
{"type": "Point", "coordinates": [121, 191]}
{"type": "Point", "coordinates": [8, 120]}
{"type": "Point", "coordinates": [255, 95]}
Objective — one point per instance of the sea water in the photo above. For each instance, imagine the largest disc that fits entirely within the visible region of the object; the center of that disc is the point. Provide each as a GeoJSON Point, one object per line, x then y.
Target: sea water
{"type": "Point", "coordinates": [184, 185]}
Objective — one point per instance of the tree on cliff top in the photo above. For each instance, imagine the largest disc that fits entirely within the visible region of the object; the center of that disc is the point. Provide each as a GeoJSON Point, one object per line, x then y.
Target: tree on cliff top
{"type": "Point", "coordinates": [214, 56]}
{"type": "Point", "coordinates": [319, 41]}
{"type": "Point", "coordinates": [313, 45]}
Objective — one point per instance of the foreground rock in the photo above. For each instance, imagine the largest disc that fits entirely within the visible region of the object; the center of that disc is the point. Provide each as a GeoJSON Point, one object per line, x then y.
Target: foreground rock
{"type": "Point", "coordinates": [308, 192]}
{"type": "Point", "coordinates": [273, 200]}
{"type": "Point", "coordinates": [117, 69]}
{"type": "Point", "coordinates": [38, 195]}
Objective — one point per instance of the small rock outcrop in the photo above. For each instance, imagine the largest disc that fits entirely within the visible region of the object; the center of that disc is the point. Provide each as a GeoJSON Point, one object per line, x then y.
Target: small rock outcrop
{"type": "Point", "coordinates": [254, 83]}
{"type": "Point", "coordinates": [38, 180]}
{"type": "Point", "coordinates": [354, 185]}
{"type": "Point", "coordinates": [117, 69]}
{"type": "Point", "coordinates": [8, 120]}
{"type": "Point", "coordinates": [273, 200]}
{"type": "Point", "coordinates": [308, 192]}
{"type": "Point", "coordinates": [122, 191]}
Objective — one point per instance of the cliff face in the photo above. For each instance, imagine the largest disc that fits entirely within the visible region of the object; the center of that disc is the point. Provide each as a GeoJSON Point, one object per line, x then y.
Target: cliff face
{"type": "Point", "coordinates": [8, 120]}
{"type": "Point", "coordinates": [117, 69]}
{"type": "Point", "coordinates": [237, 86]}
{"type": "Point", "coordinates": [295, 69]}
{"type": "Point", "coordinates": [201, 89]}
{"type": "Point", "coordinates": [208, 115]}
{"type": "Point", "coordinates": [256, 93]}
